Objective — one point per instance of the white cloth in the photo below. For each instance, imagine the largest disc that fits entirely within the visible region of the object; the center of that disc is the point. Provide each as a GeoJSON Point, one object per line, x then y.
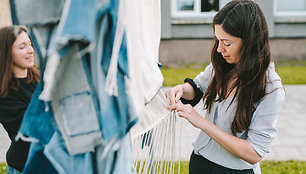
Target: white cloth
{"type": "Point", "coordinates": [153, 113]}
{"type": "Point", "coordinates": [143, 25]}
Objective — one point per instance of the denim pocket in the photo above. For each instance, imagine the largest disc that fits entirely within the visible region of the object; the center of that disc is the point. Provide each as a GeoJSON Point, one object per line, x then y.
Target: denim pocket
{"type": "Point", "coordinates": [79, 114]}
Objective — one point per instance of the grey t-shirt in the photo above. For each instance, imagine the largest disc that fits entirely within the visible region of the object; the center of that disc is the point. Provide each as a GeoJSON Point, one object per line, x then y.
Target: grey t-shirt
{"type": "Point", "coordinates": [262, 129]}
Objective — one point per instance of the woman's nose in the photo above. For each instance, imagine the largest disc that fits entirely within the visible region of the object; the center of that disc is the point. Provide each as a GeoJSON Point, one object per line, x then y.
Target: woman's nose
{"type": "Point", "coordinates": [30, 49]}
{"type": "Point", "coordinates": [220, 48]}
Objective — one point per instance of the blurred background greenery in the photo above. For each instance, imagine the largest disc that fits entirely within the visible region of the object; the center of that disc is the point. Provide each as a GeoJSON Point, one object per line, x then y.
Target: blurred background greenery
{"type": "Point", "coordinates": [290, 71]}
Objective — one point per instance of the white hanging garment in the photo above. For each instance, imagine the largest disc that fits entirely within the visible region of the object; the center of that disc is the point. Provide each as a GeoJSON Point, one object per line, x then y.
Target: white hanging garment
{"type": "Point", "coordinates": [143, 27]}
{"type": "Point", "coordinates": [155, 134]}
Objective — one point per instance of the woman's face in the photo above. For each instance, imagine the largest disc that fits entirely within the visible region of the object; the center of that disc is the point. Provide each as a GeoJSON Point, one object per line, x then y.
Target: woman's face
{"type": "Point", "coordinates": [228, 46]}
{"type": "Point", "coordinates": [22, 53]}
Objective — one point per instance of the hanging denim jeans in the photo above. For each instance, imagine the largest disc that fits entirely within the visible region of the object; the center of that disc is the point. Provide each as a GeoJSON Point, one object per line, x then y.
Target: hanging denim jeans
{"type": "Point", "coordinates": [65, 163]}
{"type": "Point", "coordinates": [73, 110]}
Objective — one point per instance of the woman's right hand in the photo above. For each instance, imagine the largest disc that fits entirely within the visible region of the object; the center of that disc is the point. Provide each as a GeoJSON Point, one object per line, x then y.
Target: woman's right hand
{"type": "Point", "coordinates": [174, 94]}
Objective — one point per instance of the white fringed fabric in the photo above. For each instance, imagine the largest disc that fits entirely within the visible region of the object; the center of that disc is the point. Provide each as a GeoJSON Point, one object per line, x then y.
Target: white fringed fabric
{"type": "Point", "coordinates": [156, 138]}
{"type": "Point", "coordinates": [155, 151]}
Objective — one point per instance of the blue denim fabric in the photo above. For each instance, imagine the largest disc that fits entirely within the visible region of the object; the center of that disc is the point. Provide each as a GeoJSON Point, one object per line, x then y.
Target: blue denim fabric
{"type": "Point", "coordinates": [11, 170]}
{"type": "Point", "coordinates": [37, 122]}
{"type": "Point", "coordinates": [124, 157]}
{"type": "Point", "coordinates": [73, 99]}
{"type": "Point", "coordinates": [107, 108]}
{"type": "Point", "coordinates": [45, 12]}
{"type": "Point", "coordinates": [73, 110]}
{"type": "Point", "coordinates": [116, 118]}
{"type": "Point", "coordinates": [42, 37]}
{"type": "Point", "coordinates": [57, 153]}
{"type": "Point", "coordinates": [77, 22]}
{"type": "Point", "coordinates": [13, 12]}
{"type": "Point", "coordinates": [37, 162]}
{"type": "Point", "coordinates": [73, 104]}
{"type": "Point", "coordinates": [115, 157]}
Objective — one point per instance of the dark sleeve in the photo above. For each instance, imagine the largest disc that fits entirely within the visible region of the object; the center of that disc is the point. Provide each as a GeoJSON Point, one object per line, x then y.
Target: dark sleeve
{"type": "Point", "coordinates": [11, 107]}
{"type": "Point", "coordinates": [198, 94]}
{"type": "Point", "coordinates": [11, 114]}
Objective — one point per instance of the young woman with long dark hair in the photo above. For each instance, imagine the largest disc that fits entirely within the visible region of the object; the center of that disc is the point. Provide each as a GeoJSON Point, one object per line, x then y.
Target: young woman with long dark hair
{"type": "Point", "coordinates": [18, 79]}
{"type": "Point", "coordinates": [241, 92]}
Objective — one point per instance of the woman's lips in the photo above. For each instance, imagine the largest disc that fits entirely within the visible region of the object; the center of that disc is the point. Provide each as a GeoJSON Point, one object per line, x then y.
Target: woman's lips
{"type": "Point", "coordinates": [30, 58]}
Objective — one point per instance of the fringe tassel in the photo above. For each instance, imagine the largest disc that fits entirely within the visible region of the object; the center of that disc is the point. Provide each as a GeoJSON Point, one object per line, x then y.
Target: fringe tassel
{"type": "Point", "coordinates": [155, 151]}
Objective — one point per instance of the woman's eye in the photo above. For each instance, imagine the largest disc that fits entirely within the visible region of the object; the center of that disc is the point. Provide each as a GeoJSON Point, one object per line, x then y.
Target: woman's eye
{"type": "Point", "coordinates": [227, 44]}
{"type": "Point", "coordinates": [22, 46]}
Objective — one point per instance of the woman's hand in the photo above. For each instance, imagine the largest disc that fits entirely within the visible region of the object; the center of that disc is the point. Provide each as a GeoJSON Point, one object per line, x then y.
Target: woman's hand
{"type": "Point", "coordinates": [189, 113]}
{"type": "Point", "coordinates": [234, 145]}
{"type": "Point", "coordinates": [177, 92]}
{"type": "Point", "coordinates": [174, 94]}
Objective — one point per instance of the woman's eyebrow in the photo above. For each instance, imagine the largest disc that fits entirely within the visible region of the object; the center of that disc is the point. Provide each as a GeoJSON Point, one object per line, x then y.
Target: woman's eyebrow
{"type": "Point", "coordinates": [225, 40]}
{"type": "Point", "coordinates": [23, 43]}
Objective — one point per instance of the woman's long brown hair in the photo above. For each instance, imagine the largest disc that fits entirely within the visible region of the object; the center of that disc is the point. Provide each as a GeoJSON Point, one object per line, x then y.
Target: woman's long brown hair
{"type": "Point", "coordinates": [7, 81]}
{"type": "Point", "coordinates": [243, 19]}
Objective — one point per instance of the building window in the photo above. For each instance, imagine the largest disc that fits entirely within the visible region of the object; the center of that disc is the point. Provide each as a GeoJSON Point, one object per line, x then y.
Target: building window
{"type": "Point", "coordinates": [293, 11]}
{"type": "Point", "coordinates": [290, 6]}
{"type": "Point", "coordinates": [185, 5]}
{"type": "Point", "coordinates": [209, 5]}
{"type": "Point", "coordinates": [185, 8]}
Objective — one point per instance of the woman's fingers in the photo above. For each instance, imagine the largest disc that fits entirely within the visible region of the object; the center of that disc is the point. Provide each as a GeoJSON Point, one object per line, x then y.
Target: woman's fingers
{"type": "Point", "coordinates": [167, 95]}
{"type": "Point", "coordinates": [177, 106]}
{"type": "Point", "coordinates": [174, 94]}
{"type": "Point", "coordinates": [172, 107]}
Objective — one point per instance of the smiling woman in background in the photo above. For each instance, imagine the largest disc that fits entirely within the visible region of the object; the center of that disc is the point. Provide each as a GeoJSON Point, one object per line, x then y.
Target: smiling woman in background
{"type": "Point", "coordinates": [18, 79]}
{"type": "Point", "coordinates": [241, 91]}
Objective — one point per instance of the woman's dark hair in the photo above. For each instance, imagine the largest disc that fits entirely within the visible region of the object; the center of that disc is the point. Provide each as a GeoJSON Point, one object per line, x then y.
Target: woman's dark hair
{"type": "Point", "coordinates": [8, 36]}
{"type": "Point", "coordinates": [243, 19]}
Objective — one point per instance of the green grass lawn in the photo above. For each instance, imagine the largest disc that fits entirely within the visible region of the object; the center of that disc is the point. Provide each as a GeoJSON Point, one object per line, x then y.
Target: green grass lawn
{"type": "Point", "coordinates": [267, 167]}
{"type": "Point", "coordinates": [291, 72]}
{"type": "Point", "coordinates": [3, 168]}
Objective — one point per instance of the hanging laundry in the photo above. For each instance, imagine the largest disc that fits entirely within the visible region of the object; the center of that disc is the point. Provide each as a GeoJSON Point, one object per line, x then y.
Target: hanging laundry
{"type": "Point", "coordinates": [99, 77]}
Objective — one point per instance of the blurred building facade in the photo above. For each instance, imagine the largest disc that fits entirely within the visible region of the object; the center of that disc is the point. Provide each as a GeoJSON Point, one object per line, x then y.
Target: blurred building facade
{"type": "Point", "coordinates": [187, 34]}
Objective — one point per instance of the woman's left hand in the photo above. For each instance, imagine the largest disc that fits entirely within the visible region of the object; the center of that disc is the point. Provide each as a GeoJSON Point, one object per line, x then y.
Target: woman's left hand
{"type": "Point", "coordinates": [187, 112]}
{"type": "Point", "coordinates": [234, 145]}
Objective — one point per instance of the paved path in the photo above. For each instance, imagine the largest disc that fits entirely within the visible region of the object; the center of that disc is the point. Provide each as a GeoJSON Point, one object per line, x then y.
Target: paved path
{"type": "Point", "coordinates": [289, 144]}
{"type": "Point", "coordinates": [4, 143]}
